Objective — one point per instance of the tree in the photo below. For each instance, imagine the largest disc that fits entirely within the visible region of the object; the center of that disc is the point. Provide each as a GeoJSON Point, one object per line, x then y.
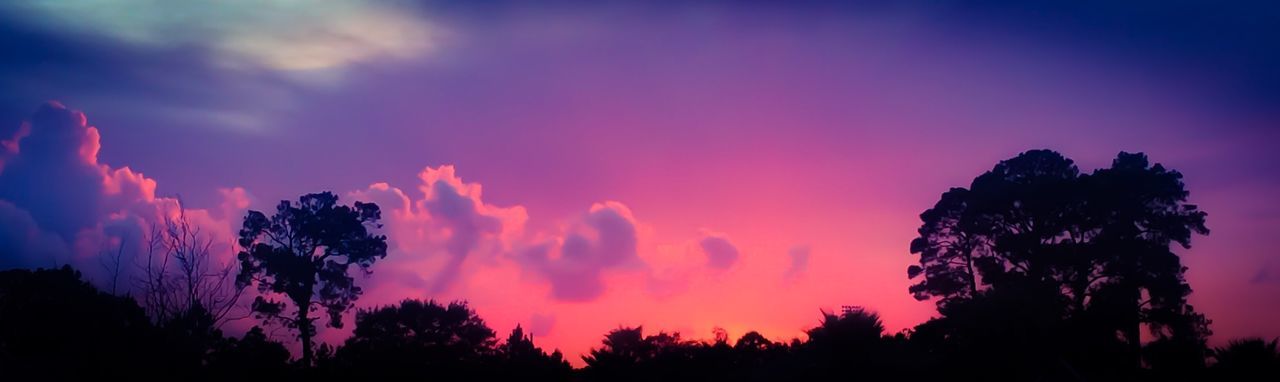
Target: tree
{"type": "Point", "coordinates": [753, 342]}
{"type": "Point", "coordinates": [56, 326]}
{"type": "Point", "coordinates": [1139, 211]}
{"type": "Point", "coordinates": [947, 245]}
{"type": "Point", "coordinates": [252, 357]}
{"type": "Point", "coordinates": [622, 349]}
{"type": "Point", "coordinates": [303, 252]}
{"type": "Point", "coordinates": [629, 355]}
{"type": "Point", "coordinates": [1102, 241]}
{"type": "Point", "coordinates": [848, 343]}
{"type": "Point", "coordinates": [854, 327]}
{"type": "Point", "coordinates": [419, 338]}
{"type": "Point", "coordinates": [1247, 358]}
{"type": "Point", "coordinates": [996, 231]}
{"type": "Point", "coordinates": [518, 358]}
{"type": "Point", "coordinates": [183, 286]}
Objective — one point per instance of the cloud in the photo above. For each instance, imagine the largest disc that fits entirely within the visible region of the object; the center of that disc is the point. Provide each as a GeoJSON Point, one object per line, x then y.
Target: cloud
{"type": "Point", "coordinates": [9, 142]}
{"type": "Point", "coordinates": [241, 66]}
{"type": "Point", "coordinates": [60, 205]}
{"type": "Point", "coordinates": [54, 175]}
{"type": "Point", "coordinates": [541, 324]}
{"type": "Point", "coordinates": [448, 241]}
{"type": "Point", "coordinates": [432, 237]}
{"type": "Point", "coordinates": [287, 35]}
{"type": "Point", "coordinates": [1266, 274]}
{"type": "Point", "coordinates": [574, 263]}
{"type": "Point", "coordinates": [720, 253]}
{"type": "Point", "coordinates": [23, 244]}
{"type": "Point", "coordinates": [235, 200]}
{"type": "Point", "coordinates": [799, 262]}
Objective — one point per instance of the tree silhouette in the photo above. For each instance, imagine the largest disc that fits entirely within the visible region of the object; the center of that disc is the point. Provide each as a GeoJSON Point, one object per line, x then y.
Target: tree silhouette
{"type": "Point", "coordinates": [252, 357]}
{"type": "Point", "coordinates": [627, 354]}
{"type": "Point", "coordinates": [519, 359]}
{"type": "Point", "coordinates": [948, 245]}
{"type": "Point", "coordinates": [848, 343]}
{"type": "Point", "coordinates": [1247, 359]}
{"type": "Point", "coordinates": [180, 278]}
{"type": "Point", "coordinates": [55, 326]}
{"type": "Point", "coordinates": [303, 252]}
{"type": "Point", "coordinates": [991, 233]}
{"type": "Point", "coordinates": [753, 341]}
{"type": "Point", "coordinates": [1138, 211]}
{"type": "Point", "coordinates": [1004, 334]}
{"type": "Point", "coordinates": [448, 342]}
{"type": "Point", "coordinates": [623, 348]}
{"type": "Point", "coordinates": [416, 338]}
{"type": "Point", "coordinates": [1101, 242]}
{"type": "Point", "coordinates": [853, 327]}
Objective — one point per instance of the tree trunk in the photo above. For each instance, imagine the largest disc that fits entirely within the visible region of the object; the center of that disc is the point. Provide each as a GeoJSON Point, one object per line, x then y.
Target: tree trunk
{"type": "Point", "coordinates": [1135, 344]}
{"type": "Point", "coordinates": [1134, 328]}
{"type": "Point", "coordinates": [973, 277]}
{"type": "Point", "coordinates": [304, 332]}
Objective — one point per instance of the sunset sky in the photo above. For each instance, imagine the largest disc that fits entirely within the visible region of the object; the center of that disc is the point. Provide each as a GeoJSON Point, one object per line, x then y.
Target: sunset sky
{"type": "Point", "coordinates": [740, 165]}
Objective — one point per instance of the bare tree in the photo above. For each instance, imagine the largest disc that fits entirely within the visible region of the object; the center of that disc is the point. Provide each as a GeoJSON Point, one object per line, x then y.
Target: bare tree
{"type": "Point", "coordinates": [180, 274]}
{"type": "Point", "coordinates": [111, 263]}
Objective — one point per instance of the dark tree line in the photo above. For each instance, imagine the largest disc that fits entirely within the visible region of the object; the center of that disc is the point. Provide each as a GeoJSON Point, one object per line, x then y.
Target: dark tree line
{"type": "Point", "coordinates": [1040, 273]}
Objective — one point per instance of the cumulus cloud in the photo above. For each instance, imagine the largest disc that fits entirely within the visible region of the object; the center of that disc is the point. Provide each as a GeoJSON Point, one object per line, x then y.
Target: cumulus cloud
{"type": "Point", "coordinates": [446, 239]}
{"type": "Point", "coordinates": [53, 172]}
{"type": "Point", "coordinates": [449, 223]}
{"type": "Point", "coordinates": [235, 201]}
{"type": "Point", "coordinates": [720, 253]}
{"type": "Point", "coordinates": [23, 244]}
{"type": "Point", "coordinates": [59, 205]}
{"type": "Point", "coordinates": [284, 35]}
{"type": "Point", "coordinates": [574, 263]}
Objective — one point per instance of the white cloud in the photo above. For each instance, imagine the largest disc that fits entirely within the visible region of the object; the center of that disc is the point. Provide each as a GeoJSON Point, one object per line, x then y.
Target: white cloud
{"type": "Point", "coordinates": [288, 35]}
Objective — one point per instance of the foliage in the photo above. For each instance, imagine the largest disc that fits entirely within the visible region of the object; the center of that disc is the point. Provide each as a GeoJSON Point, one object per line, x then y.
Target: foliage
{"type": "Point", "coordinates": [303, 252]}
{"type": "Point", "coordinates": [1098, 244]}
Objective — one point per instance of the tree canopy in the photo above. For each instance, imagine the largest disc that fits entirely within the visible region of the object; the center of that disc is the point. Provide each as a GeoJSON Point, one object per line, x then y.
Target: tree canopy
{"type": "Point", "coordinates": [304, 252]}
{"type": "Point", "coordinates": [1098, 244]}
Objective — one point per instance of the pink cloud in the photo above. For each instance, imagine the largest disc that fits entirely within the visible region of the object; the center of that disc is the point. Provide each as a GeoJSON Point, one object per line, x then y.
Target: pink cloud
{"type": "Point", "coordinates": [60, 205]}
{"type": "Point", "coordinates": [605, 239]}
{"type": "Point", "coordinates": [720, 253]}
{"type": "Point", "coordinates": [799, 256]}
{"type": "Point", "coordinates": [432, 238]}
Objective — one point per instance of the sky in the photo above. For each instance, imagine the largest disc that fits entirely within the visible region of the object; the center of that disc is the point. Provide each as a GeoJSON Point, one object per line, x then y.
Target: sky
{"type": "Point", "coordinates": [572, 167]}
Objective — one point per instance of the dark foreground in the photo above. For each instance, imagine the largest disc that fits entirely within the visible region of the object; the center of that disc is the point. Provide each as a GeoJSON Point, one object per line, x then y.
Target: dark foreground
{"type": "Point", "coordinates": [54, 326]}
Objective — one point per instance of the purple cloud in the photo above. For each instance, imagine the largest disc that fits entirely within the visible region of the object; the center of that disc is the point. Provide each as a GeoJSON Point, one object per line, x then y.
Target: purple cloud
{"type": "Point", "coordinates": [574, 264]}
{"type": "Point", "coordinates": [799, 262]}
{"type": "Point", "coordinates": [721, 254]}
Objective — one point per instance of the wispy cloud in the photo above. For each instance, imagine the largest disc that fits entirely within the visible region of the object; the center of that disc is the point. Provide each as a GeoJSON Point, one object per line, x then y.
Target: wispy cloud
{"type": "Point", "coordinates": [285, 35]}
